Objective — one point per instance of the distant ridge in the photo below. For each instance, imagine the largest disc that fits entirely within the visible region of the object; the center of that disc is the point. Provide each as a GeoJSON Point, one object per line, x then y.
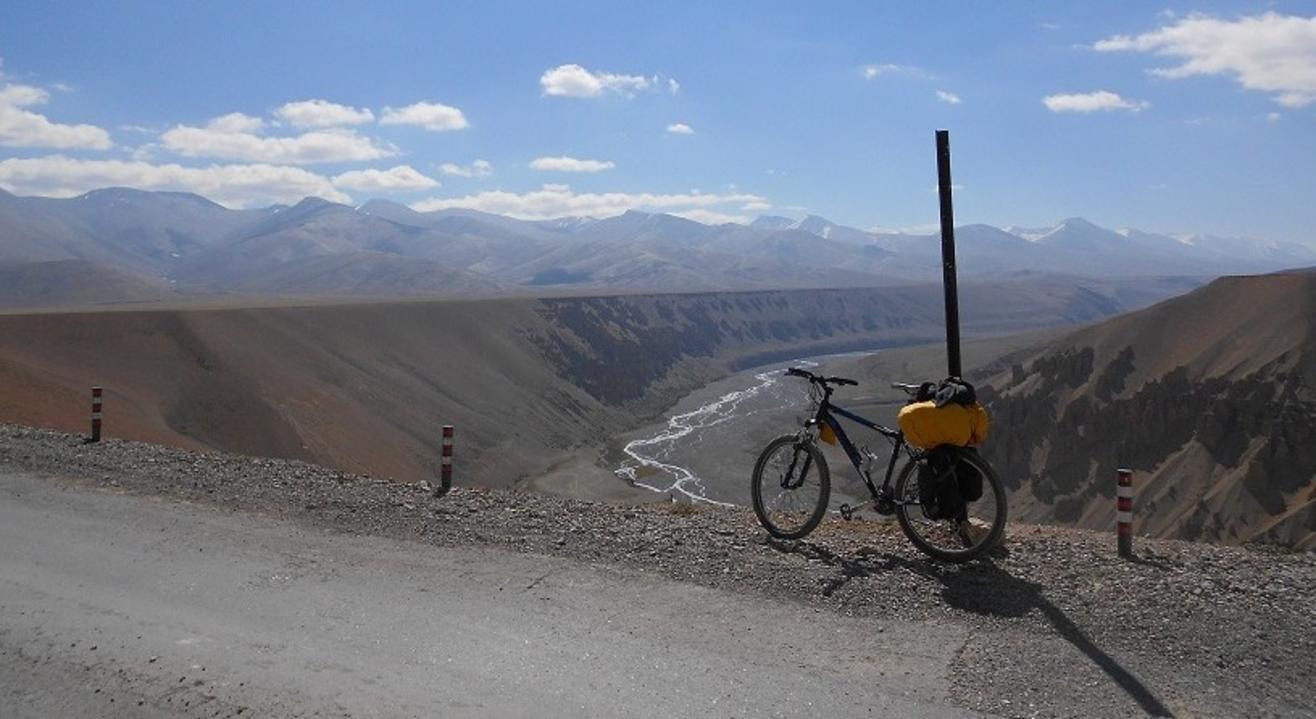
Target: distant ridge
{"type": "Point", "coordinates": [56, 283]}
{"type": "Point", "coordinates": [188, 243]}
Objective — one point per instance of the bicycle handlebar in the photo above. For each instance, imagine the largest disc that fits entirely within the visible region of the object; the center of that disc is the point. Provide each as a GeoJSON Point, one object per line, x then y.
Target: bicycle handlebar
{"type": "Point", "coordinates": [819, 379]}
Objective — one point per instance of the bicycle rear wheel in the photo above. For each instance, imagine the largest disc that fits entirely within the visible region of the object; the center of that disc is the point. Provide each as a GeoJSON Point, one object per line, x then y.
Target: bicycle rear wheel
{"type": "Point", "coordinates": [977, 529]}
{"type": "Point", "coordinates": [791, 487]}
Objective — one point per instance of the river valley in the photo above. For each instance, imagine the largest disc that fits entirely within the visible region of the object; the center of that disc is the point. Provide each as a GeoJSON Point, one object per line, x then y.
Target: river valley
{"type": "Point", "coordinates": [703, 449]}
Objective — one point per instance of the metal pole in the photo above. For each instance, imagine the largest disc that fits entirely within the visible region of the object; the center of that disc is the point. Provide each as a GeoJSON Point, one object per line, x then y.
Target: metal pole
{"type": "Point", "coordinates": [1124, 511]}
{"type": "Point", "coordinates": [948, 278]}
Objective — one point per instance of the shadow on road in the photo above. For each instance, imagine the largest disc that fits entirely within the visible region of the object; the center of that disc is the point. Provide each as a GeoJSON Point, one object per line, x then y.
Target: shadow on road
{"type": "Point", "coordinates": [981, 588]}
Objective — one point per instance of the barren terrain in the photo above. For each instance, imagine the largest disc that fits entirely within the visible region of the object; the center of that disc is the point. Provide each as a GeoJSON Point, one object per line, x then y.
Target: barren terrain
{"type": "Point", "coordinates": [1210, 398]}
{"type": "Point", "coordinates": [527, 382]}
{"type": "Point", "coordinates": [1054, 625]}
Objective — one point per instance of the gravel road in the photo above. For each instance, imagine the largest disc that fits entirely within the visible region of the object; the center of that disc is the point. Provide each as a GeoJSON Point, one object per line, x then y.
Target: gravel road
{"type": "Point", "coordinates": [171, 608]}
{"type": "Point", "coordinates": [1055, 625]}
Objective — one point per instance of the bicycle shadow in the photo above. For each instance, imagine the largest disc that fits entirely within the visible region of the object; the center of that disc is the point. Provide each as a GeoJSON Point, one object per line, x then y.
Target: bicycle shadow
{"type": "Point", "coordinates": [851, 568]}
{"type": "Point", "coordinates": [984, 588]}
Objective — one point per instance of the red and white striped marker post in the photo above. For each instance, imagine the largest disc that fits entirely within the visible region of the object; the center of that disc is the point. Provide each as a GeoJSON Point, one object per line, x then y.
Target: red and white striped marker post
{"type": "Point", "coordinates": [95, 414]}
{"type": "Point", "coordinates": [445, 473]}
{"type": "Point", "coordinates": [1124, 512]}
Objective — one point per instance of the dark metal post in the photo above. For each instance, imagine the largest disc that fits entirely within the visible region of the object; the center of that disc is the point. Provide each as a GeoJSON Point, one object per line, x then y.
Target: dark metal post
{"type": "Point", "coordinates": [948, 276]}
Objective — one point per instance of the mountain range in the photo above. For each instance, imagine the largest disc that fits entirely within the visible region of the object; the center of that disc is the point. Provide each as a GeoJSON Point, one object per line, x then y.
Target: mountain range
{"type": "Point", "coordinates": [165, 244]}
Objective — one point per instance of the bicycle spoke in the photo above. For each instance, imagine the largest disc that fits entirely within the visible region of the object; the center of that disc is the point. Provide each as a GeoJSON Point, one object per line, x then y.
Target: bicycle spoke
{"type": "Point", "coordinates": [789, 507]}
{"type": "Point", "coordinates": [953, 539]}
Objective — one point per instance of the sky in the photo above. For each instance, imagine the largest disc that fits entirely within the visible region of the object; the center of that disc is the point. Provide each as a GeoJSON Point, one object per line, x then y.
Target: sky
{"type": "Point", "coordinates": [1197, 118]}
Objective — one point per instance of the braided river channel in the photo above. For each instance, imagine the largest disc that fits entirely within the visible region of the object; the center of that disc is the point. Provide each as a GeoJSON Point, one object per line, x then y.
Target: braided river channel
{"type": "Point", "coordinates": [704, 450]}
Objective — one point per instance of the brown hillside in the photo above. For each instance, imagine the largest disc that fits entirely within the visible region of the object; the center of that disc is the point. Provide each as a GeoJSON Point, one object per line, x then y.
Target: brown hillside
{"type": "Point", "coordinates": [365, 387]}
{"type": "Point", "coordinates": [1209, 397]}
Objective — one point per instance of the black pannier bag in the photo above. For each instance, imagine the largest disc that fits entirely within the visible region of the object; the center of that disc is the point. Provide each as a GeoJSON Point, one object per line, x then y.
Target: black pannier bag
{"type": "Point", "coordinates": [938, 488]}
{"type": "Point", "coordinates": [946, 485]}
{"type": "Point", "coordinates": [970, 480]}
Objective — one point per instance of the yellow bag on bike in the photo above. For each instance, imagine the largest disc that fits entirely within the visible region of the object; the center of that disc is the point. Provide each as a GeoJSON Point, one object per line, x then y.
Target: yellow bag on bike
{"type": "Point", "coordinates": [926, 425]}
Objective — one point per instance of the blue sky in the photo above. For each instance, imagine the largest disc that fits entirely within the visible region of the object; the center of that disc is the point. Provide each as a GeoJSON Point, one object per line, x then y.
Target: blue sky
{"type": "Point", "coordinates": [1192, 118]}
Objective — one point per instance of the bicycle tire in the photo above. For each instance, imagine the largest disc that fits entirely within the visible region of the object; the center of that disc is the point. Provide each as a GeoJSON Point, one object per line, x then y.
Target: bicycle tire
{"type": "Point", "coordinates": [816, 464]}
{"type": "Point", "coordinates": [910, 524]}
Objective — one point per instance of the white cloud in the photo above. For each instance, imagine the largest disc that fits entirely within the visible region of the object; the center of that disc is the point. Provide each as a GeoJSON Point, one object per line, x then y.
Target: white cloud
{"type": "Point", "coordinates": [429, 115]}
{"type": "Point", "coordinates": [403, 178]}
{"type": "Point", "coordinates": [22, 95]}
{"type": "Point", "coordinates": [232, 185]}
{"type": "Point", "coordinates": [948, 97]}
{"type": "Point", "coordinates": [711, 217]}
{"type": "Point", "coordinates": [1271, 53]}
{"type": "Point", "coordinates": [322, 113]}
{"type": "Point", "coordinates": [479, 168]}
{"type": "Point", "coordinates": [236, 122]}
{"type": "Point", "coordinates": [871, 71]}
{"type": "Point", "coordinates": [1273, 117]}
{"type": "Point", "coordinates": [560, 201]}
{"type": "Point", "coordinates": [1092, 102]}
{"type": "Point", "coordinates": [576, 81]}
{"type": "Point", "coordinates": [673, 86]}
{"type": "Point", "coordinates": [20, 127]}
{"type": "Point", "coordinates": [234, 137]}
{"type": "Point", "coordinates": [756, 206]}
{"type": "Point", "coordinates": [680, 128]}
{"type": "Point", "coordinates": [145, 153]}
{"type": "Point", "coordinates": [570, 164]}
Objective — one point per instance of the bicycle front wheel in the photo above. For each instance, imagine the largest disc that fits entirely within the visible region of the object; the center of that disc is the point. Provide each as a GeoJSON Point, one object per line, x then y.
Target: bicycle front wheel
{"type": "Point", "coordinates": [791, 487]}
{"type": "Point", "coordinates": [956, 539]}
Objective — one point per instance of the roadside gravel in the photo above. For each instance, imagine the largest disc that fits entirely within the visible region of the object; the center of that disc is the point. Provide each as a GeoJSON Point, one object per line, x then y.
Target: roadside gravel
{"type": "Point", "coordinates": [1059, 626]}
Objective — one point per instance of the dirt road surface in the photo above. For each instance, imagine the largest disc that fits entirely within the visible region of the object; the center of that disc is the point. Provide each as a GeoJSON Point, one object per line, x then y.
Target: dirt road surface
{"type": "Point", "coordinates": [125, 606]}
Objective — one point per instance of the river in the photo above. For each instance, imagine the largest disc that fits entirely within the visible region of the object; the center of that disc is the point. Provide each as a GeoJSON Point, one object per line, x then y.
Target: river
{"type": "Point", "coordinates": [704, 451]}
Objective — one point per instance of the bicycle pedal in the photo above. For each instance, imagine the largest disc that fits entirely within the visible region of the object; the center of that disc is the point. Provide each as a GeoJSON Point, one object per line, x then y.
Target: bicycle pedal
{"type": "Point", "coordinates": [847, 512]}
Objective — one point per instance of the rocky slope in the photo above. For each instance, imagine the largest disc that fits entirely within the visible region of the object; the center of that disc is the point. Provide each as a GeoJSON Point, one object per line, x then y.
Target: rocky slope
{"type": "Point", "coordinates": [365, 387]}
{"type": "Point", "coordinates": [1210, 398]}
{"type": "Point", "coordinates": [1057, 625]}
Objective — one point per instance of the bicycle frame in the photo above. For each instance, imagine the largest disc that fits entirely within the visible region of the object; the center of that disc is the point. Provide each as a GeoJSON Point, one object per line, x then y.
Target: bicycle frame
{"type": "Point", "coordinates": [826, 415]}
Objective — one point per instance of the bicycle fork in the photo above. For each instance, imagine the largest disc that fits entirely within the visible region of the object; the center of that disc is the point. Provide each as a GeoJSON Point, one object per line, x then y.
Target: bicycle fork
{"type": "Point", "coordinates": [786, 480]}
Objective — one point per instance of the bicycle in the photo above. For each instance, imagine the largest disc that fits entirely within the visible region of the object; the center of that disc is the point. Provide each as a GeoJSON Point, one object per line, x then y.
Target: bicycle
{"type": "Point", "coordinates": [956, 539]}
